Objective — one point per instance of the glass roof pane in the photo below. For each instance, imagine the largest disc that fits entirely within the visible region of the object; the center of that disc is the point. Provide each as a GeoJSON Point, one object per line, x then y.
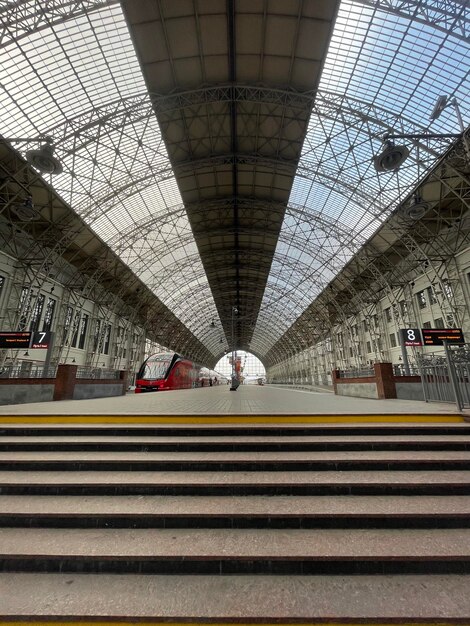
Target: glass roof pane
{"type": "Point", "coordinates": [80, 83]}
{"type": "Point", "coordinates": [381, 67]}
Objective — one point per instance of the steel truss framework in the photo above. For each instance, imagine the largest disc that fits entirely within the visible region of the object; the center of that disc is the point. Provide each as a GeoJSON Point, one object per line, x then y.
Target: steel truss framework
{"type": "Point", "coordinates": [115, 150]}
{"type": "Point", "coordinates": [428, 246]}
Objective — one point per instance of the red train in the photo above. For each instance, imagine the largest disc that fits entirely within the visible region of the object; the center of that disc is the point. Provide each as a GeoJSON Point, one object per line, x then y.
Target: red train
{"type": "Point", "coordinates": [168, 370]}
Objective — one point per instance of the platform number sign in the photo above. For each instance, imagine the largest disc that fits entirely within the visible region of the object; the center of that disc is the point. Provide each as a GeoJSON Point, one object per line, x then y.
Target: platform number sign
{"type": "Point", "coordinates": [41, 340]}
{"type": "Point", "coordinates": [411, 337]}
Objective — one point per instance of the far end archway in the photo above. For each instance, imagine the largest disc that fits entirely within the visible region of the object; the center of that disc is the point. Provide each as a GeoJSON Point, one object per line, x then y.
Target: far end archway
{"type": "Point", "coordinates": [252, 366]}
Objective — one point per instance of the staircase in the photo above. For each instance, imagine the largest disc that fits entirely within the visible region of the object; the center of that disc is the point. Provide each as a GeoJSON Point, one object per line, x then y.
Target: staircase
{"type": "Point", "coordinates": [235, 523]}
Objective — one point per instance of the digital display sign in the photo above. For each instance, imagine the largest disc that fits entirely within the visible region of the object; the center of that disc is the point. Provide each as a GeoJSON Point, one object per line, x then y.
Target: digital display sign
{"type": "Point", "coordinates": [411, 337]}
{"type": "Point", "coordinates": [41, 340]}
{"type": "Point", "coordinates": [437, 336]}
{"type": "Point", "coordinates": [15, 340]}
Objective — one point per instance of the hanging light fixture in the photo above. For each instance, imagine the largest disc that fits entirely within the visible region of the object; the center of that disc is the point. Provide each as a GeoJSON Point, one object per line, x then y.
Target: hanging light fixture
{"type": "Point", "coordinates": [44, 160]}
{"type": "Point", "coordinates": [391, 157]}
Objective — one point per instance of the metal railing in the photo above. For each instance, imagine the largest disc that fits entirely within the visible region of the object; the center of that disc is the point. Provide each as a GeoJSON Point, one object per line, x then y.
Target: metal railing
{"type": "Point", "coordinates": [28, 371]}
{"type": "Point", "coordinates": [97, 373]}
{"type": "Point", "coordinates": [446, 378]}
{"type": "Point", "coordinates": [399, 370]}
{"type": "Point", "coordinates": [357, 373]}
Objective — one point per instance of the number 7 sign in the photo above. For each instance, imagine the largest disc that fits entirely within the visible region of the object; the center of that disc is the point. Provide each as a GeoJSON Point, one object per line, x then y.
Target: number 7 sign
{"type": "Point", "coordinates": [41, 340]}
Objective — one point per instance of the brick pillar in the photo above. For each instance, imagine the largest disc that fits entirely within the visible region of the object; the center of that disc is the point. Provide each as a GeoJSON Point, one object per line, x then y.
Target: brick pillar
{"type": "Point", "coordinates": [335, 378]}
{"type": "Point", "coordinates": [123, 377]}
{"type": "Point", "coordinates": [385, 380]}
{"type": "Point", "coordinates": [65, 382]}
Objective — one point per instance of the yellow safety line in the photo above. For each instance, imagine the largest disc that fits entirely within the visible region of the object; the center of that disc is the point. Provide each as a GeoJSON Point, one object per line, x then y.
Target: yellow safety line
{"type": "Point", "coordinates": [227, 419]}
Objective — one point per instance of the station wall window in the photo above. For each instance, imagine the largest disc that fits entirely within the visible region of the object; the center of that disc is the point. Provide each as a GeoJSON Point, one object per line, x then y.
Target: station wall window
{"type": "Point", "coordinates": [107, 338]}
{"type": "Point", "coordinates": [83, 330]}
{"type": "Point", "coordinates": [37, 312]}
{"type": "Point", "coordinates": [404, 308]}
{"type": "Point", "coordinates": [76, 326]}
{"type": "Point", "coordinates": [431, 295]}
{"type": "Point", "coordinates": [421, 297]}
{"type": "Point", "coordinates": [369, 347]}
{"type": "Point", "coordinates": [427, 325]}
{"type": "Point", "coordinates": [439, 322]}
{"type": "Point", "coordinates": [388, 314]}
{"type": "Point", "coordinates": [24, 307]}
{"type": "Point", "coordinates": [393, 340]}
{"type": "Point", "coordinates": [96, 336]}
{"type": "Point", "coordinates": [67, 325]}
{"type": "Point", "coordinates": [49, 315]}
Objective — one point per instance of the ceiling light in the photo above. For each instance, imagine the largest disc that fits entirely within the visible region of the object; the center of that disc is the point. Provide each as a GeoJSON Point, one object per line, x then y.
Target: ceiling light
{"type": "Point", "coordinates": [440, 105]}
{"type": "Point", "coordinates": [391, 157]}
{"type": "Point", "coordinates": [44, 159]}
{"type": "Point", "coordinates": [25, 211]}
{"type": "Point", "coordinates": [416, 209]}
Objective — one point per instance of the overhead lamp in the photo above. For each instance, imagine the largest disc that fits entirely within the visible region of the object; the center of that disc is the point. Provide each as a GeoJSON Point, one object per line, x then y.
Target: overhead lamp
{"type": "Point", "coordinates": [43, 158]}
{"type": "Point", "coordinates": [25, 211]}
{"type": "Point", "coordinates": [417, 208]}
{"type": "Point", "coordinates": [391, 157]}
{"type": "Point", "coordinates": [441, 104]}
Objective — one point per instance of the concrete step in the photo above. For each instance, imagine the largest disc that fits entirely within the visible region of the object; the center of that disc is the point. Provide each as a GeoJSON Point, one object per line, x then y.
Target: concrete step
{"type": "Point", "coordinates": [230, 443]}
{"type": "Point", "coordinates": [235, 483]}
{"type": "Point", "coordinates": [230, 461]}
{"type": "Point", "coordinates": [239, 551]}
{"type": "Point", "coordinates": [235, 511]}
{"type": "Point", "coordinates": [407, 599]}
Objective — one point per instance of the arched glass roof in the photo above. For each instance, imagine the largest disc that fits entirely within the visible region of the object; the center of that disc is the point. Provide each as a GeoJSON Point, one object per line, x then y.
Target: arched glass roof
{"type": "Point", "coordinates": [383, 73]}
{"type": "Point", "coordinates": [79, 82]}
{"type": "Point", "coordinates": [70, 71]}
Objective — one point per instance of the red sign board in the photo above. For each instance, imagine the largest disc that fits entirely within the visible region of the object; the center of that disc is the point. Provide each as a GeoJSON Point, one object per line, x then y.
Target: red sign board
{"type": "Point", "coordinates": [15, 340]}
{"type": "Point", "coordinates": [437, 336]}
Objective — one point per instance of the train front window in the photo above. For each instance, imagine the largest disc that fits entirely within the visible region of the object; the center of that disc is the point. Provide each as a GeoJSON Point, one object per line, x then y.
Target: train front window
{"type": "Point", "coordinates": [155, 369]}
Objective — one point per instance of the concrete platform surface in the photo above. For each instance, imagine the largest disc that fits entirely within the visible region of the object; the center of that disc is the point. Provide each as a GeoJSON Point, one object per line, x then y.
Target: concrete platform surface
{"type": "Point", "coordinates": [439, 598]}
{"type": "Point", "coordinates": [226, 544]}
{"type": "Point", "coordinates": [208, 478]}
{"type": "Point", "coordinates": [247, 400]}
{"type": "Point", "coordinates": [236, 506]}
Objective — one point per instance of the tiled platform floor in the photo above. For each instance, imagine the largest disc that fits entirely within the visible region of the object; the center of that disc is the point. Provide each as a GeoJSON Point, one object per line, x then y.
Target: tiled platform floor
{"type": "Point", "coordinates": [247, 400]}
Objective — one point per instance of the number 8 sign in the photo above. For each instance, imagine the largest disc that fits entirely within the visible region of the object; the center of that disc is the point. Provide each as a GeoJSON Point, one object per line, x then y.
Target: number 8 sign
{"type": "Point", "coordinates": [411, 337]}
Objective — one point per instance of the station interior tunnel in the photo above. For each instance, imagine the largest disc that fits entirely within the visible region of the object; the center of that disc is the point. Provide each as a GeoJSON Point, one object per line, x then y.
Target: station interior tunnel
{"type": "Point", "coordinates": [233, 175]}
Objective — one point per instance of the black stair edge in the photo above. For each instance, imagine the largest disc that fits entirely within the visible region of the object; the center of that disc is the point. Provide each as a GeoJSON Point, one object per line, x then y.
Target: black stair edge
{"type": "Point", "coordinates": [354, 446]}
{"type": "Point", "coordinates": [384, 521]}
{"type": "Point", "coordinates": [462, 489]}
{"type": "Point", "coordinates": [226, 566]}
{"type": "Point", "coordinates": [248, 430]}
{"type": "Point", "coordinates": [228, 466]}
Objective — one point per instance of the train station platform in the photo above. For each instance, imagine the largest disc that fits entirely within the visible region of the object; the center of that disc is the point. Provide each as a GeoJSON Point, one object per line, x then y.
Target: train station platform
{"type": "Point", "coordinates": [250, 402]}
